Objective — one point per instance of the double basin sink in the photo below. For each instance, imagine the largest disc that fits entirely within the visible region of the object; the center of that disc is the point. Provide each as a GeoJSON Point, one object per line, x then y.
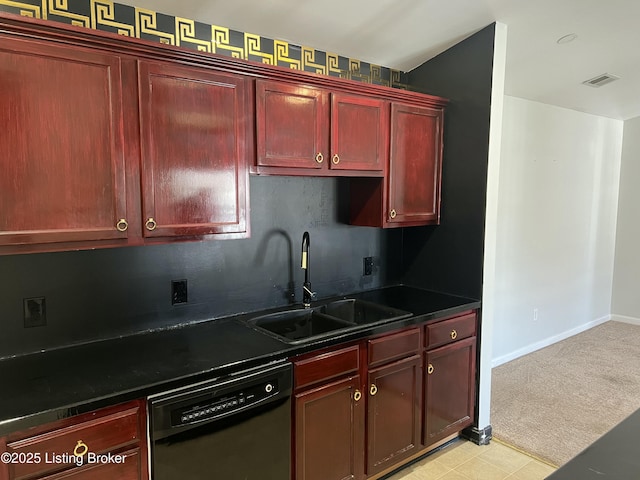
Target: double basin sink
{"type": "Point", "coordinates": [303, 325]}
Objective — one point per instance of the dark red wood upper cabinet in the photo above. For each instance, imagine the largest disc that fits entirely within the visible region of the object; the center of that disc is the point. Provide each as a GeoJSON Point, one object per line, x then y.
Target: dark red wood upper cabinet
{"type": "Point", "coordinates": [112, 141]}
{"type": "Point", "coordinates": [450, 379]}
{"type": "Point", "coordinates": [415, 165]}
{"type": "Point", "coordinates": [292, 125]}
{"type": "Point", "coordinates": [359, 133]}
{"type": "Point", "coordinates": [63, 172]}
{"type": "Point", "coordinates": [393, 413]}
{"type": "Point", "coordinates": [196, 134]}
{"type": "Point", "coordinates": [302, 130]}
{"type": "Point", "coordinates": [410, 192]}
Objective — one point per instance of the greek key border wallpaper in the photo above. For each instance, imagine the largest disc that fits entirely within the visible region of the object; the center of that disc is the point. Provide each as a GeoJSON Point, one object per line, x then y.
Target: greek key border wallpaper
{"type": "Point", "coordinates": [149, 25]}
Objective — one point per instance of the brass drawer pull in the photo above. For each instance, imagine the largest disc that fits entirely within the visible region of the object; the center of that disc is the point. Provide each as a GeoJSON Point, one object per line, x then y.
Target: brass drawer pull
{"type": "Point", "coordinates": [81, 449]}
{"type": "Point", "coordinates": [392, 213]}
{"type": "Point", "coordinates": [335, 159]}
{"type": "Point", "coordinates": [373, 390]}
{"type": "Point", "coordinates": [319, 157]}
{"type": "Point", "coordinates": [357, 395]}
{"type": "Point", "coordinates": [430, 369]}
{"type": "Point", "coordinates": [122, 225]}
{"type": "Point", "coordinates": [151, 224]}
{"type": "Point", "coordinates": [454, 334]}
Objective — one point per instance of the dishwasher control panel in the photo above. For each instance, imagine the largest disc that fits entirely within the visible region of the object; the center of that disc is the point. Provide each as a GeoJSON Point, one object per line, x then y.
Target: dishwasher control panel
{"type": "Point", "coordinates": [216, 406]}
{"type": "Point", "coordinates": [190, 407]}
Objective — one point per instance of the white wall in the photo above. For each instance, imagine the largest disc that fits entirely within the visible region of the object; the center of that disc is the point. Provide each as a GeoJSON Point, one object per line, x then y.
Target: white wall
{"type": "Point", "coordinates": [491, 219]}
{"type": "Point", "coordinates": [626, 278]}
{"type": "Point", "coordinates": [555, 237]}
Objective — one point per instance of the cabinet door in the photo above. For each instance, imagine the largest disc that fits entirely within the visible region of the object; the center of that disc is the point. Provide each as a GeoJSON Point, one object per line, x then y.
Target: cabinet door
{"type": "Point", "coordinates": [359, 133]}
{"type": "Point", "coordinates": [196, 138]}
{"type": "Point", "coordinates": [449, 389]}
{"type": "Point", "coordinates": [292, 125]}
{"type": "Point", "coordinates": [329, 432]}
{"type": "Point", "coordinates": [413, 196]}
{"type": "Point", "coordinates": [393, 413]}
{"type": "Point", "coordinates": [63, 175]}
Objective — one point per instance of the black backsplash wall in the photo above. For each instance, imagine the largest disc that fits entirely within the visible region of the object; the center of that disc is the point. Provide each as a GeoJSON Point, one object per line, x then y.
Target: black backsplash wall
{"type": "Point", "coordinates": [448, 258]}
{"type": "Point", "coordinates": [104, 293]}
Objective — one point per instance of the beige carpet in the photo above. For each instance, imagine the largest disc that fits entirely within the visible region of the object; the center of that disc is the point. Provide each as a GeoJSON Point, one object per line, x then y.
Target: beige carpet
{"type": "Point", "coordinates": [555, 402]}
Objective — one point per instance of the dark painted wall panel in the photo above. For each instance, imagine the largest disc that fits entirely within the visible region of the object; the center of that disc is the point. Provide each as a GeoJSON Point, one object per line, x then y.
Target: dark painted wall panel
{"type": "Point", "coordinates": [449, 257]}
{"type": "Point", "coordinates": [104, 293]}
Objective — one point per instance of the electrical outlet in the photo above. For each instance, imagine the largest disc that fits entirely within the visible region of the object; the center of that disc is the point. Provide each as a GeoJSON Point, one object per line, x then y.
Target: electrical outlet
{"type": "Point", "coordinates": [35, 312]}
{"type": "Point", "coordinates": [367, 268]}
{"type": "Point", "coordinates": [535, 314]}
{"type": "Point", "coordinates": [179, 292]}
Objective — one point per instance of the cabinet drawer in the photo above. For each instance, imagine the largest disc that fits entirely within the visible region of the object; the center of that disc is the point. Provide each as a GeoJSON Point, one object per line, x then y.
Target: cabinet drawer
{"type": "Point", "coordinates": [100, 435]}
{"type": "Point", "coordinates": [393, 347]}
{"type": "Point", "coordinates": [448, 331]}
{"type": "Point", "coordinates": [123, 466]}
{"type": "Point", "coordinates": [326, 366]}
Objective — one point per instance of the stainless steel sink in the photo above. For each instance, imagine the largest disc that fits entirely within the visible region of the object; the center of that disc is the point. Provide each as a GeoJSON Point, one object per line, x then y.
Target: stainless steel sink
{"type": "Point", "coordinates": [306, 324]}
{"type": "Point", "coordinates": [298, 326]}
{"type": "Point", "coordinates": [361, 312]}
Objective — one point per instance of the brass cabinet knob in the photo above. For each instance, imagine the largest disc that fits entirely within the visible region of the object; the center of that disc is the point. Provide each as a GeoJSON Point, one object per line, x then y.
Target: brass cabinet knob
{"type": "Point", "coordinates": [319, 157]}
{"type": "Point", "coordinates": [151, 224]}
{"type": "Point", "coordinates": [430, 369]}
{"type": "Point", "coordinates": [454, 334]}
{"type": "Point", "coordinates": [392, 213]}
{"type": "Point", "coordinates": [357, 395]}
{"type": "Point", "coordinates": [122, 225]}
{"type": "Point", "coordinates": [335, 159]}
{"type": "Point", "coordinates": [373, 389]}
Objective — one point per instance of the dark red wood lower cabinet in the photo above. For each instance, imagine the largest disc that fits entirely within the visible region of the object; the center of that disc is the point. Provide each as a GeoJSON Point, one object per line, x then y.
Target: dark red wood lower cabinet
{"type": "Point", "coordinates": [112, 442]}
{"type": "Point", "coordinates": [4, 467]}
{"type": "Point", "coordinates": [405, 400]}
{"type": "Point", "coordinates": [449, 389]}
{"type": "Point", "coordinates": [393, 413]}
{"type": "Point", "coordinates": [328, 436]}
{"type": "Point", "coordinates": [127, 469]}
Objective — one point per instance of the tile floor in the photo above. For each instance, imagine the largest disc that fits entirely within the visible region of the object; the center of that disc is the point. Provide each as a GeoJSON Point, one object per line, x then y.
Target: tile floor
{"type": "Point", "coordinates": [464, 460]}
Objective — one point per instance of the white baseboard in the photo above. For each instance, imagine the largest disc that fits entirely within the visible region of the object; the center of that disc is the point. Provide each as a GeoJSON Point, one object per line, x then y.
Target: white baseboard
{"type": "Point", "coordinates": [551, 340]}
{"type": "Point", "coordinates": [625, 319]}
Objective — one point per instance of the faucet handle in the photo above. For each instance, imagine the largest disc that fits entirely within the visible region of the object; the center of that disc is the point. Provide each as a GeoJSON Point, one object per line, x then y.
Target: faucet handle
{"type": "Point", "coordinates": [312, 295]}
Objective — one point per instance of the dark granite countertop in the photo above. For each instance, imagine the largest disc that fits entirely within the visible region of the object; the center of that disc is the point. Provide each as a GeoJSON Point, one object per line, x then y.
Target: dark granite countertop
{"type": "Point", "coordinates": [614, 456]}
{"type": "Point", "coordinates": [46, 386]}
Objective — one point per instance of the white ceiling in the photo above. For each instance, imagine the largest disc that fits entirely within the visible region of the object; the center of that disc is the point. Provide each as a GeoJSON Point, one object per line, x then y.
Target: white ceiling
{"type": "Point", "coordinates": [402, 34]}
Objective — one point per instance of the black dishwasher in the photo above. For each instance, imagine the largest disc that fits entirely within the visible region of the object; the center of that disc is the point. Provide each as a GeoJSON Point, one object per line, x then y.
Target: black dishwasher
{"type": "Point", "coordinates": [233, 428]}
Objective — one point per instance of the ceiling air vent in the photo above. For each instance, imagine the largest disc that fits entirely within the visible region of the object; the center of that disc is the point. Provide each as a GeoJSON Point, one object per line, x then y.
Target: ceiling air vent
{"type": "Point", "coordinates": [600, 80]}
